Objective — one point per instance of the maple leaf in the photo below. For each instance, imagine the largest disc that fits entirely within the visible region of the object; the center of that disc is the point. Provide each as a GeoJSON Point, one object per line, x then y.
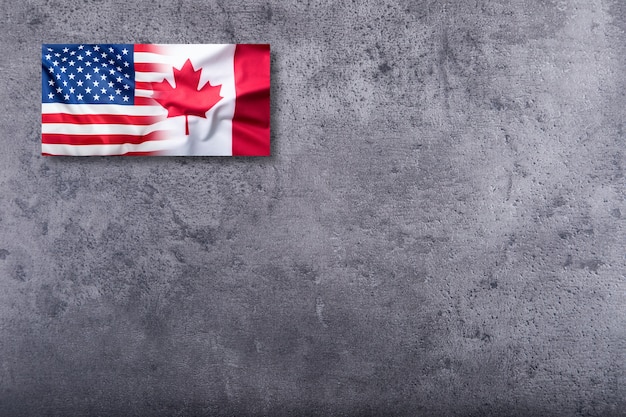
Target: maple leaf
{"type": "Point", "coordinates": [185, 99]}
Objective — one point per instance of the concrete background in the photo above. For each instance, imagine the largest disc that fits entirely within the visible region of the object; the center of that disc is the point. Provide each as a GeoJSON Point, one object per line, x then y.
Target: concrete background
{"type": "Point", "coordinates": [440, 229]}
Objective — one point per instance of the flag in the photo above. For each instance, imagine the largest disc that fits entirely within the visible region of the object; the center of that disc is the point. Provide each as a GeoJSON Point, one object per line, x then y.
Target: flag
{"type": "Point", "coordinates": [149, 99]}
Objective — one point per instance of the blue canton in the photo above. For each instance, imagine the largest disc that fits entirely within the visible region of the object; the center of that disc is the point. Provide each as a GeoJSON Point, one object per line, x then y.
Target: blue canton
{"type": "Point", "coordinates": [88, 74]}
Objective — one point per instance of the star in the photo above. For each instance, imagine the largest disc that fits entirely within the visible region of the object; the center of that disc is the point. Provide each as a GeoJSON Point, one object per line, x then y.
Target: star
{"type": "Point", "coordinates": [118, 56]}
{"type": "Point", "coordinates": [64, 59]}
{"type": "Point", "coordinates": [103, 77]}
{"type": "Point", "coordinates": [57, 54]}
{"type": "Point", "coordinates": [64, 83]}
{"type": "Point", "coordinates": [126, 86]}
{"type": "Point", "coordinates": [59, 90]}
{"type": "Point", "coordinates": [103, 90]}
{"type": "Point", "coordinates": [79, 57]}
{"type": "Point", "coordinates": [119, 79]}
{"type": "Point", "coordinates": [81, 46]}
{"type": "Point", "coordinates": [73, 53]}
{"type": "Point", "coordinates": [50, 82]}
{"type": "Point", "coordinates": [80, 96]}
{"type": "Point", "coordinates": [96, 83]}
{"type": "Point", "coordinates": [111, 62]}
{"type": "Point", "coordinates": [96, 48]}
{"type": "Point", "coordinates": [103, 55]}
{"type": "Point", "coordinates": [119, 69]}
{"type": "Point", "coordinates": [79, 69]}
{"type": "Point", "coordinates": [88, 76]}
{"type": "Point", "coordinates": [55, 63]}
{"type": "Point", "coordinates": [65, 49]}
{"type": "Point", "coordinates": [96, 97]}
{"type": "Point", "coordinates": [58, 76]}
{"type": "Point", "coordinates": [111, 50]}
{"type": "Point", "coordinates": [49, 49]}
{"type": "Point", "coordinates": [125, 98]}
{"type": "Point", "coordinates": [126, 75]}
{"type": "Point", "coordinates": [50, 96]}
{"type": "Point", "coordinates": [96, 59]}
{"type": "Point", "coordinates": [88, 63]}
{"type": "Point", "coordinates": [63, 69]}
{"type": "Point", "coordinates": [88, 53]}
{"type": "Point", "coordinates": [51, 70]}
{"type": "Point", "coordinates": [126, 64]}
{"type": "Point", "coordinates": [111, 98]}
{"type": "Point", "coordinates": [87, 90]}
{"type": "Point", "coordinates": [118, 91]}
{"type": "Point", "coordinates": [72, 63]}
{"type": "Point", "coordinates": [125, 51]}
{"type": "Point", "coordinates": [72, 90]}
{"type": "Point", "coordinates": [96, 69]}
{"type": "Point", "coordinates": [71, 76]}
{"type": "Point", "coordinates": [67, 96]}
{"type": "Point", "coordinates": [104, 64]}
{"type": "Point", "coordinates": [48, 56]}
{"type": "Point", "coordinates": [110, 84]}
{"type": "Point", "coordinates": [79, 83]}
{"type": "Point", "coordinates": [111, 71]}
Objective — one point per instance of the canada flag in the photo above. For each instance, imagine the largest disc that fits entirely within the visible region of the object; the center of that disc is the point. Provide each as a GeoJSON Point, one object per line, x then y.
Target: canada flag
{"type": "Point", "coordinates": [149, 99]}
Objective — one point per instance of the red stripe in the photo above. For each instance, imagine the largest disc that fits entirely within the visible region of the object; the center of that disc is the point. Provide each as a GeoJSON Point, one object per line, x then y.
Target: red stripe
{"type": "Point", "coordinates": [148, 47]}
{"type": "Point", "coordinates": [151, 67]}
{"type": "Point", "coordinates": [140, 85]}
{"type": "Point", "coordinates": [62, 139]}
{"type": "Point", "coordinates": [251, 122]}
{"type": "Point", "coordinates": [145, 101]}
{"type": "Point", "coordinates": [88, 119]}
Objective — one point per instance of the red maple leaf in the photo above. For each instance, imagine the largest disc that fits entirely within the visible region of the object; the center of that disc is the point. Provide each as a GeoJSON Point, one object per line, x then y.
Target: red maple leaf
{"type": "Point", "coordinates": [185, 99]}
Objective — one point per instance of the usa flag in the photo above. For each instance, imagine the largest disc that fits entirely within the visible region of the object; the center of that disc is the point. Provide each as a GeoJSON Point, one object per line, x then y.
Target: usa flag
{"type": "Point", "coordinates": [148, 99]}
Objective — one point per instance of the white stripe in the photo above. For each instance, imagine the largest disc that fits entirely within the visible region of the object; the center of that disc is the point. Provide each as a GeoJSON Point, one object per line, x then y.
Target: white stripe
{"type": "Point", "coordinates": [149, 57]}
{"type": "Point", "coordinates": [99, 150]}
{"type": "Point", "coordinates": [143, 93]}
{"type": "Point", "coordinates": [102, 129]}
{"type": "Point", "coordinates": [50, 108]}
{"type": "Point", "coordinates": [149, 77]}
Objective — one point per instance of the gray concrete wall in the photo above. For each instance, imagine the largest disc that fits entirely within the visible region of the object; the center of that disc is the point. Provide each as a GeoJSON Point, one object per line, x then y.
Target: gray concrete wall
{"type": "Point", "coordinates": [440, 229]}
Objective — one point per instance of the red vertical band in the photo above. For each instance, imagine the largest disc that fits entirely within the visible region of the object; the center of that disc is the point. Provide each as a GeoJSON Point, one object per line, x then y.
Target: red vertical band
{"type": "Point", "coordinates": [251, 122]}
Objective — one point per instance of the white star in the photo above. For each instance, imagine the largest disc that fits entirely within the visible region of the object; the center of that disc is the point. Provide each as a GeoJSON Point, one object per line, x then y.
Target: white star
{"type": "Point", "coordinates": [125, 98]}
{"type": "Point", "coordinates": [111, 62]}
{"type": "Point", "coordinates": [58, 76]}
{"type": "Point", "coordinates": [64, 83]}
{"type": "Point", "coordinates": [50, 96]}
{"type": "Point", "coordinates": [119, 79]}
{"type": "Point", "coordinates": [118, 91]}
{"type": "Point", "coordinates": [87, 90]}
{"type": "Point", "coordinates": [59, 90]}
{"type": "Point", "coordinates": [79, 57]}
{"type": "Point", "coordinates": [111, 50]}
{"type": "Point", "coordinates": [126, 86]}
{"type": "Point", "coordinates": [51, 70]}
{"type": "Point", "coordinates": [88, 63]}
{"type": "Point", "coordinates": [103, 55]}
{"type": "Point", "coordinates": [55, 63]}
{"type": "Point", "coordinates": [111, 71]}
{"type": "Point", "coordinates": [103, 77]}
{"type": "Point", "coordinates": [126, 75]}
{"type": "Point", "coordinates": [103, 90]}
{"type": "Point", "coordinates": [126, 64]}
{"type": "Point", "coordinates": [119, 69]}
{"type": "Point", "coordinates": [63, 69]}
{"type": "Point", "coordinates": [79, 83]}
{"type": "Point", "coordinates": [96, 83]}
{"type": "Point", "coordinates": [50, 82]}
{"type": "Point", "coordinates": [80, 96]}
{"type": "Point", "coordinates": [88, 53]}
{"type": "Point", "coordinates": [96, 69]}
{"type": "Point", "coordinates": [104, 64]}
{"type": "Point", "coordinates": [96, 59]}
{"type": "Point", "coordinates": [57, 54]}
{"type": "Point", "coordinates": [125, 51]}
{"type": "Point", "coordinates": [88, 76]}
{"type": "Point", "coordinates": [65, 49]}
{"type": "Point", "coordinates": [79, 69]}
{"type": "Point", "coordinates": [96, 97]}
{"type": "Point", "coordinates": [71, 76]}
{"type": "Point", "coordinates": [72, 52]}
{"type": "Point", "coordinates": [111, 98]}
{"type": "Point", "coordinates": [72, 63]}
{"type": "Point", "coordinates": [72, 90]}
{"type": "Point", "coordinates": [111, 84]}
{"type": "Point", "coordinates": [64, 59]}
{"type": "Point", "coordinates": [67, 96]}
{"type": "Point", "coordinates": [96, 48]}
{"type": "Point", "coordinates": [81, 46]}
{"type": "Point", "coordinates": [49, 49]}
{"type": "Point", "coordinates": [48, 56]}
{"type": "Point", "coordinates": [118, 56]}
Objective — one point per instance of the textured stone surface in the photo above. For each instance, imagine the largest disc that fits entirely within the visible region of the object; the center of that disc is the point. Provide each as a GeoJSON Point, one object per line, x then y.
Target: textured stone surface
{"type": "Point", "coordinates": [440, 229]}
